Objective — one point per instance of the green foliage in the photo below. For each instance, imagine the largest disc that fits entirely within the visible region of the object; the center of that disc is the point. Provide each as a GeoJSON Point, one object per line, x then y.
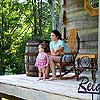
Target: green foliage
{"type": "Point", "coordinates": [16, 27]}
{"type": "Point", "coordinates": [8, 71]}
{"type": "Point", "coordinates": [94, 3]}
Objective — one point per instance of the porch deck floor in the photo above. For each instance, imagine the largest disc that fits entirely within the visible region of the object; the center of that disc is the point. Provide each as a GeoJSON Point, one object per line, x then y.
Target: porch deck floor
{"type": "Point", "coordinates": [29, 88]}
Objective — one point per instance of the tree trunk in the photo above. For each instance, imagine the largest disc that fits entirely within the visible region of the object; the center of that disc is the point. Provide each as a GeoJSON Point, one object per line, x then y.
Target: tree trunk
{"type": "Point", "coordinates": [60, 16]}
{"type": "Point", "coordinates": [40, 15]}
{"type": "Point", "coordinates": [52, 14]}
{"type": "Point", "coordinates": [34, 14]}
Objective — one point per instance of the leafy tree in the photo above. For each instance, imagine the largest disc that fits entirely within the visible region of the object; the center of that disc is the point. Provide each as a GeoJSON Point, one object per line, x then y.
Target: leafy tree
{"type": "Point", "coordinates": [19, 22]}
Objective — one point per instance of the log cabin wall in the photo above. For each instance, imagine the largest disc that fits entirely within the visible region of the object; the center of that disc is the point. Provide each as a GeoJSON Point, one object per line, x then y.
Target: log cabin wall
{"type": "Point", "coordinates": [74, 15]}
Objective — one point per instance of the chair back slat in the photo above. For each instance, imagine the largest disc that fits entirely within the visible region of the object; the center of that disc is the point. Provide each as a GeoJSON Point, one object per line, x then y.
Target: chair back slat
{"type": "Point", "coordinates": [73, 40]}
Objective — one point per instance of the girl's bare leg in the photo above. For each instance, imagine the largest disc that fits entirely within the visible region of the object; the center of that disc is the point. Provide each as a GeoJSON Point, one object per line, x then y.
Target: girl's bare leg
{"type": "Point", "coordinates": [44, 75]}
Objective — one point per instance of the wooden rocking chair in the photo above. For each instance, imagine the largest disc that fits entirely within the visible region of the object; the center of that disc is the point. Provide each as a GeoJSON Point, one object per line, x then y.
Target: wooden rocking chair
{"type": "Point", "coordinates": [74, 46]}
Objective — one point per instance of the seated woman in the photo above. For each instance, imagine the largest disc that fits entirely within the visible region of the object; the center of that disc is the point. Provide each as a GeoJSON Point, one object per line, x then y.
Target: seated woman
{"type": "Point", "coordinates": [57, 46]}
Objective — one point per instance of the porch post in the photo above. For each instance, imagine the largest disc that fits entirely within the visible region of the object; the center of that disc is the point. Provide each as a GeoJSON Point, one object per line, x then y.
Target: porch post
{"type": "Point", "coordinates": [99, 39]}
{"type": "Point", "coordinates": [99, 49]}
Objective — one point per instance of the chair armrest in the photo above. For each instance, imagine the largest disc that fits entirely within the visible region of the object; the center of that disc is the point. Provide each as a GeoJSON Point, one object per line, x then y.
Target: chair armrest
{"type": "Point", "coordinates": [64, 57]}
{"type": "Point", "coordinates": [68, 53]}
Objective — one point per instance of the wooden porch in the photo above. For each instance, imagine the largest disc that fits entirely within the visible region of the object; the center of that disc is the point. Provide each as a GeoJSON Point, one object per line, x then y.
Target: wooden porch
{"type": "Point", "coordinates": [22, 87]}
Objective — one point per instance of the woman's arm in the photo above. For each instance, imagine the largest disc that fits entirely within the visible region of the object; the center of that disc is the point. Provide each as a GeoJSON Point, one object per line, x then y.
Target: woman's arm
{"type": "Point", "coordinates": [57, 52]}
{"type": "Point", "coordinates": [59, 49]}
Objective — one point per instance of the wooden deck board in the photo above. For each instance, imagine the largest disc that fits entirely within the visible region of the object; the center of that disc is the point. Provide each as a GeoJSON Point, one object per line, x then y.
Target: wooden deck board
{"type": "Point", "coordinates": [29, 88]}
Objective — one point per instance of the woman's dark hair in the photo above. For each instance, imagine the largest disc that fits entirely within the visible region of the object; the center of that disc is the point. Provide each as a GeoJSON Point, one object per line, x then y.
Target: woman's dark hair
{"type": "Point", "coordinates": [57, 33]}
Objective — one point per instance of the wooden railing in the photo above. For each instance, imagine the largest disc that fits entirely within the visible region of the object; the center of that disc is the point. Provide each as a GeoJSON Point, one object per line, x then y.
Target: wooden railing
{"type": "Point", "coordinates": [92, 11]}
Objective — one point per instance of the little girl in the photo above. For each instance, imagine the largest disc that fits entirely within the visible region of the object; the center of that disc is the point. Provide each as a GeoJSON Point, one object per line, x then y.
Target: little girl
{"type": "Point", "coordinates": [42, 61]}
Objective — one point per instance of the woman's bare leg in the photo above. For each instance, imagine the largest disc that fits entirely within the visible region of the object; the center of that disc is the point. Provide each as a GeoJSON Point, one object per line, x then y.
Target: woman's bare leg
{"type": "Point", "coordinates": [40, 74]}
{"type": "Point", "coordinates": [47, 72]}
{"type": "Point", "coordinates": [52, 60]}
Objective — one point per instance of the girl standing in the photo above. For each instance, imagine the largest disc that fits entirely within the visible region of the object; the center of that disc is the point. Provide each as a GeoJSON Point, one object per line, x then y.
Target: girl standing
{"type": "Point", "coordinates": [42, 61]}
